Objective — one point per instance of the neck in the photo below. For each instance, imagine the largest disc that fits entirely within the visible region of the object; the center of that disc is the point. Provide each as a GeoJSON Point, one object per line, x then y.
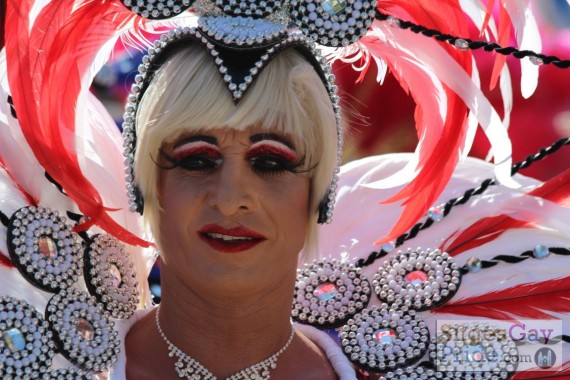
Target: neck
{"type": "Point", "coordinates": [245, 328]}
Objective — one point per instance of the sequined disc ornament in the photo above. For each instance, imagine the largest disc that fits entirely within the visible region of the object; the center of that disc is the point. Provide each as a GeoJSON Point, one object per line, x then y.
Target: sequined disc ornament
{"type": "Point", "coordinates": [329, 293]}
{"type": "Point", "coordinates": [418, 279]}
{"type": "Point", "coordinates": [466, 348]}
{"type": "Point", "coordinates": [384, 338]}
{"type": "Point", "coordinates": [82, 330]}
{"type": "Point", "coordinates": [44, 249]}
{"type": "Point", "coordinates": [110, 276]}
{"type": "Point", "coordinates": [26, 348]}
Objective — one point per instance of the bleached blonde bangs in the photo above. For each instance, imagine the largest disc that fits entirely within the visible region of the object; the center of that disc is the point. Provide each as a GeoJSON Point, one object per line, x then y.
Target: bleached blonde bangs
{"type": "Point", "coordinates": [187, 93]}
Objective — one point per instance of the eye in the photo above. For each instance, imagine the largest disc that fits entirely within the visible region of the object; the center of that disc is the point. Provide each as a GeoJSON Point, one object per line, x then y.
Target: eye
{"type": "Point", "coordinates": [273, 163]}
{"type": "Point", "coordinates": [197, 162]}
{"type": "Point", "coordinates": [193, 160]}
{"type": "Point", "coordinates": [272, 157]}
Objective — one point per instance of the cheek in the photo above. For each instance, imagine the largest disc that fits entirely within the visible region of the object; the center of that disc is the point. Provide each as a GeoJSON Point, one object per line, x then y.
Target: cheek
{"type": "Point", "coordinates": [294, 212]}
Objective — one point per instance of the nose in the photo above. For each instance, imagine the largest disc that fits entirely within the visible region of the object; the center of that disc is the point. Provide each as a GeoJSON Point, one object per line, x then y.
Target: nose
{"type": "Point", "coordinates": [233, 192]}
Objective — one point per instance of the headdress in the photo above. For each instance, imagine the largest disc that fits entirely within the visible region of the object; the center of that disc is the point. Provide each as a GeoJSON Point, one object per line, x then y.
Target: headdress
{"type": "Point", "coordinates": [54, 61]}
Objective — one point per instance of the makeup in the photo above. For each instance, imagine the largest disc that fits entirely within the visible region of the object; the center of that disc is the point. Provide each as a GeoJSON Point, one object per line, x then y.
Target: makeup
{"type": "Point", "coordinates": [230, 240]}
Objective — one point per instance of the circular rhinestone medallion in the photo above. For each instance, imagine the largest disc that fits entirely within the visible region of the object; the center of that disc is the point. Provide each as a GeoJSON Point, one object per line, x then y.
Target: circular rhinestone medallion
{"type": "Point", "coordinates": [384, 338]}
{"type": "Point", "coordinates": [26, 348]}
{"type": "Point", "coordinates": [82, 330]}
{"type": "Point", "coordinates": [241, 31]}
{"type": "Point", "coordinates": [110, 276]}
{"type": "Point", "coordinates": [333, 22]}
{"type": "Point", "coordinates": [328, 293]}
{"type": "Point", "coordinates": [466, 348]}
{"type": "Point", "coordinates": [157, 9]}
{"type": "Point", "coordinates": [44, 249]}
{"type": "Point", "coordinates": [418, 279]}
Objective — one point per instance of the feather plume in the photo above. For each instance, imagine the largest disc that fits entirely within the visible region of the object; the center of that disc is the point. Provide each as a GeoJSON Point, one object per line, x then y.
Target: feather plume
{"type": "Point", "coordinates": [531, 300]}
{"type": "Point", "coordinates": [436, 156]}
{"type": "Point", "coordinates": [54, 70]}
{"type": "Point", "coordinates": [556, 190]}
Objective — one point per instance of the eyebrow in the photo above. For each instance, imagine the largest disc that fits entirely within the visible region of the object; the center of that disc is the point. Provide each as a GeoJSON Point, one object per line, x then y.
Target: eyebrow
{"type": "Point", "coordinates": [271, 136]}
{"type": "Point", "coordinates": [209, 139]}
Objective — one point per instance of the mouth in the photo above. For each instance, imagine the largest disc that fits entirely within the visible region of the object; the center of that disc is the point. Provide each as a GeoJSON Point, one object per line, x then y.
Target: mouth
{"type": "Point", "coordinates": [233, 240]}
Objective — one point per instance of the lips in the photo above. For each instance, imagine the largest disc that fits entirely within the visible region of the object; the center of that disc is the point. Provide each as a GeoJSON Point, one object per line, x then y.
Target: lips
{"type": "Point", "coordinates": [232, 240]}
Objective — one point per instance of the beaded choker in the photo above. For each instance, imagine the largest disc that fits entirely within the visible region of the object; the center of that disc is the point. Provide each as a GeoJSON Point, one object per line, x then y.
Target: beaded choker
{"type": "Point", "coordinates": [189, 368]}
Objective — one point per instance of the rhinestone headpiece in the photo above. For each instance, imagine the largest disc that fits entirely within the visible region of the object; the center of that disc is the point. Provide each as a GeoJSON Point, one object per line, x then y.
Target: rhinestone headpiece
{"type": "Point", "coordinates": [242, 37]}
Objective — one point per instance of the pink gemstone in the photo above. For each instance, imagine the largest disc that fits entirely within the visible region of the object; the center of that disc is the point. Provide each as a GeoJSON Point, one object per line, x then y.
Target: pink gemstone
{"type": "Point", "coordinates": [385, 336]}
{"type": "Point", "coordinates": [326, 291]}
{"type": "Point", "coordinates": [85, 329]}
{"type": "Point", "coordinates": [47, 247]}
{"type": "Point", "coordinates": [116, 278]}
{"type": "Point", "coordinates": [416, 277]}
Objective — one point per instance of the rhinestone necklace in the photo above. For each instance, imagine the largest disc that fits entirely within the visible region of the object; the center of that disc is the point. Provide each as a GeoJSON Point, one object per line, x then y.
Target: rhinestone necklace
{"type": "Point", "coordinates": [189, 368]}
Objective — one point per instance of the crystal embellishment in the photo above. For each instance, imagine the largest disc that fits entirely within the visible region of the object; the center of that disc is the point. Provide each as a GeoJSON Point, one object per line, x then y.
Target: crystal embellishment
{"type": "Point", "coordinates": [540, 251]}
{"type": "Point", "coordinates": [383, 338]}
{"type": "Point", "coordinates": [110, 275]}
{"type": "Point", "coordinates": [44, 248]}
{"type": "Point", "coordinates": [14, 339]}
{"type": "Point", "coordinates": [333, 6]}
{"type": "Point", "coordinates": [461, 44]}
{"type": "Point", "coordinates": [26, 347]}
{"type": "Point", "coordinates": [418, 279]}
{"type": "Point", "coordinates": [83, 330]}
{"type": "Point", "coordinates": [328, 293]}
{"type": "Point", "coordinates": [474, 265]}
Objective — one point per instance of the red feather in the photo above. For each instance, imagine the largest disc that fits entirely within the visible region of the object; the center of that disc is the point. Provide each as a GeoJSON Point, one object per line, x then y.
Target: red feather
{"type": "Point", "coordinates": [561, 373]}
{"type": "Point", "coordinates": [4, 261]}
{"type": "Point", "coordinates": [46, 70]}
{"type": "Point", "coordinates": [530, 300]}
{"type": "Point", "coordinates": [487, 229]}
{"type": "Point", "coordinates": [503, 40]}
{"type": "Point", "coordinates": [438, 159]}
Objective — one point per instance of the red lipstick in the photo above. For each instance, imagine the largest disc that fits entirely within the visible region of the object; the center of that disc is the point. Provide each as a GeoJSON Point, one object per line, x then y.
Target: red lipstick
{"type": "Point", "coordinates": [230, 240]}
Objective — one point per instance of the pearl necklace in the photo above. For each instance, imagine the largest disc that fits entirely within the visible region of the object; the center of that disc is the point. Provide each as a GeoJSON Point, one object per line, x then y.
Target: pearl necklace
{"type": "Point", "coordinates": [189, 368]}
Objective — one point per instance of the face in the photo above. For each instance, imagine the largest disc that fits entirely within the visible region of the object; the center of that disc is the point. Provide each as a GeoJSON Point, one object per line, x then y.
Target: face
{"type": "Point", "coordinates": [235, 209]}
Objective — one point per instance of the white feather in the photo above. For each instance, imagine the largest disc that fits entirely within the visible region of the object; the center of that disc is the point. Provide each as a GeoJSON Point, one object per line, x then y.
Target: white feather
{"type": "Point", "coordinates": [528, 38]}
{"type": "Point", "coordinates": [434, 58]}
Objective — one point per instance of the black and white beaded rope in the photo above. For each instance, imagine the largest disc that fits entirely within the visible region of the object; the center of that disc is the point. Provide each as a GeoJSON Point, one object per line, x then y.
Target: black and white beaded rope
{"type": "Point", "coordinates": [26, 347]}
{"type": "Point", "coordinates": [439, 212]}
{"type": "Point", "coordinates": [44, 248]}
{"type": "Point", "coordinates": [110, 276]}
{"type": "Point", "coordinates": [466, 44]}
{"type": "Point", "coordinates": [419, 279]}
{"type": "Point", "coordinates": [82, 330]}
{"type": "Point", "coordinates": [329, 293]}
{"type": "Point", "coordinates": [384, 338]}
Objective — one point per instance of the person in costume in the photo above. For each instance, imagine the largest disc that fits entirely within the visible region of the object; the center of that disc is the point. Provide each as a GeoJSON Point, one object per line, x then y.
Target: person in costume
{"type": "Point", "coordinates": [232, 138]}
